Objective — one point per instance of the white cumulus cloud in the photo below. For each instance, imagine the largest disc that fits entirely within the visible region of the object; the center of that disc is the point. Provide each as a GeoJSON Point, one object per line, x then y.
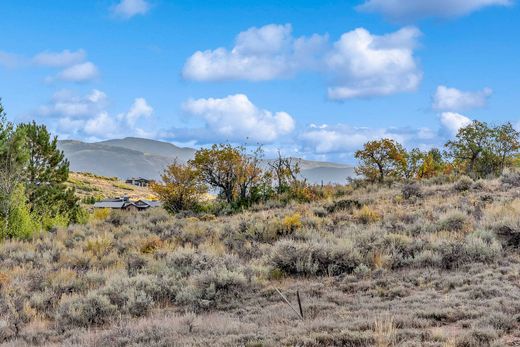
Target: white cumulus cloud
{"type": "Point", "coordinates": [359, 64]}
{"type": "Point", "coordinates": [234, 118]}
{"type": "Point", "coordinates": [452, 99]}
{"type": "Point", "coordinates": [340, 138]}
{"type": "Point", "coordinates": [81, 72]}
{"type": "Point", "coordinates": [59, 59]}
{"type": "Point", "coordinates": [140, 109]}
{"type": "Point", "coordinates": [88, 117]}
{"type": "Point", "coordinates": [101, 126]}
{"type": "Point", "coordinates": [73, 64]}
{"type": "Point", "coordinates": [130, 8]}
{"type": "Point", "coordinates": [365, 65]}
{"type": "Point", "coordinates": [66, 104]}
{"type": "Point", "coordinates": [259, 54]}
{"type": "Point", "coordinates": [407, 10]}
{"type": "Point", "coordinates": [452, 121]}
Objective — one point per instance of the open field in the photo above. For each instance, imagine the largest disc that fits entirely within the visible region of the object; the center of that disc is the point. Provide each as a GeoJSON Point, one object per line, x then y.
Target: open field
{"type": "Point", "coordinates": [89, 185]}
{"type": "Point", "coordinates": [434, 264]}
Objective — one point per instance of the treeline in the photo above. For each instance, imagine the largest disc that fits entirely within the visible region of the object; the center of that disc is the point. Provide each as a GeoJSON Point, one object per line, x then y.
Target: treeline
{"type": "Point", "coordinates": [478, 151]}
{"type": "Point", "coordinates": [33, 173]}
{"type": "Point", "coordinates": [240, 179]}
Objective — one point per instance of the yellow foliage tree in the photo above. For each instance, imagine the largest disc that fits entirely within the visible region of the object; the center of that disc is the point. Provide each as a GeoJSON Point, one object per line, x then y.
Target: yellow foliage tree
{"type": "Point", "coordinates": [381, 159]}
{"type": "Point", "coordinates": [181, 187]}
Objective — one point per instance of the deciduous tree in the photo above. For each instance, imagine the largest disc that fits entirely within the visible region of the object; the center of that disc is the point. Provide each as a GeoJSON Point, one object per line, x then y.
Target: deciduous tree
{"type": "Point", "coordinates": [220, 167]}
{"type": "Point", "coordinates": [181, 187]}
{"type": "Point", "coordinates": [505, 145]}
{"type": "Point", "coordinates": [285, 171]}
{"type": "Point", "coordinates": [469, 145]}
{"type": "Point", "coordinates": [381, 159]}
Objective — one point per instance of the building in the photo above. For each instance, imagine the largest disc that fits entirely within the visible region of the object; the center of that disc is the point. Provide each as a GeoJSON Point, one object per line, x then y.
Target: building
{"type": "Point", "coordinates": [126, 204]}
{"type": "Point", "coordinates": [140, 182]}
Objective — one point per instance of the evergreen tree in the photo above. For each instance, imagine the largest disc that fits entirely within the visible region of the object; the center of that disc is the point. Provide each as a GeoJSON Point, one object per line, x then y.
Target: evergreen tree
{"type": "Point", "coordinates": [13, 158]}
{"type": "Point", "coordinates": [47, 172]}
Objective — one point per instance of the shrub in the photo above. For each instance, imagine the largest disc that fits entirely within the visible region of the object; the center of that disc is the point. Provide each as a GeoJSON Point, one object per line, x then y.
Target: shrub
{"type": "Point", "coordinates": [483, 337]}
{"type": "Point", "coordinates": [19, 223]}
{"type": "Point", "coordinates": [439, 180]}
{"type": "Point", "coordinates": [504, 221]}
{"type": "Point", "coordinates": [139, 303]}
{"type": "Point", "coordinates": [511, 178]}
{"type": "Point", "coordinates": [119, 218]}
{"type": "Point", "coordinates": [366, 215]}
{"type": "Point", "coordinates": [500, 322]}
{"type": "Point", "coordinates": [482, 246]}
{"type": "Point", "coordinates": [100, 214]}
{"type": "Point", "coordinates": [292, 222]}
{"type": "Point", "coordinates": [214, 287]}
{"type": "Point", "coordinates": [134, 263]}
{"type": "Point", "coordinates": [453, 221]}
{"type": "Point", "coordinates": [99, 245]}
{"type": "Point", "coordinates": [344, 205]}
{"type": "Point", "coordinates": [477, 247]}
{"type": "Point", "coordinates": [187, 261]}
{"type": "Point", "coordinates": [313, 258]}
{"type": "Point", "coordinates": [137, 295]}
{"type": "Point", "coordinates": [463, 184]}
{"type": "Point", "coordinates": [151, 244]}
{"type": "Point", "coordinates": [411, 190]}
{"type": "Point", "coordinates": [91, 310]}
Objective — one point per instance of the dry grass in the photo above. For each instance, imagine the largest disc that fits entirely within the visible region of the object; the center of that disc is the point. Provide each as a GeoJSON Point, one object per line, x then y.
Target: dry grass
{"type": "Point", "coordinates": [88, 185]}
{"type": "Point", "coordinates": [440, 268]}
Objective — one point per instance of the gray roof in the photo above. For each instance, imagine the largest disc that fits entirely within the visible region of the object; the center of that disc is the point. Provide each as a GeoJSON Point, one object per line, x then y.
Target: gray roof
{"type": "Point", "coordinates": [109, 204]}
{"type": "Point", "coordinates": [138, 179]}
{"type": "Point", "coordinates": [152, 203]}
{"type": "Point", "coordinates": [119, 203]}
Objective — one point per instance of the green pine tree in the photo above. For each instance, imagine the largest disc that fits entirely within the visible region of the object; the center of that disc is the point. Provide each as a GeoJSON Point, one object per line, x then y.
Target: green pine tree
{"type": "Point", "coordinates": [47, 174]}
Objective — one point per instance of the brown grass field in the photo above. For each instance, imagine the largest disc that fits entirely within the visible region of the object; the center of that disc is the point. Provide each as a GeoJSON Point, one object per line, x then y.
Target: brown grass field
{"type": "Point", "coordinates": [100, 187]}
{"type": "Point", "coordinates": [429, 264]}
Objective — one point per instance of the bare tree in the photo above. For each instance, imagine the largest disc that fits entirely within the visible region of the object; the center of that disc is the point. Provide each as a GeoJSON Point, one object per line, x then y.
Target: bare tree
{"type": "Point", "coordinates": [285, 172]}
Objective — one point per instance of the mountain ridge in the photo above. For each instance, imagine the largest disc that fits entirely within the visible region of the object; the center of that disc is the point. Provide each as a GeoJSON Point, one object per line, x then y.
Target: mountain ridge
{"type": "Point", "coordinates": [139, 157]}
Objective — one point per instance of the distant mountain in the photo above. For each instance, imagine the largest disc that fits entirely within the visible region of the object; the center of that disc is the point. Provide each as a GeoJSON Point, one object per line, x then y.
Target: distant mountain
{"type": "Point", "coordinates": [137, 157]}
{"type": "Point", "coordinates": [152, 147]}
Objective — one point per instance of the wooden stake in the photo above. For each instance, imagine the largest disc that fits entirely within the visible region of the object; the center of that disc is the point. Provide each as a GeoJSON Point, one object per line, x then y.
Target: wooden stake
{"type": "Point", "coordinates": [299, 303]}
{"type": "Point", "coordinates": [288, 303]}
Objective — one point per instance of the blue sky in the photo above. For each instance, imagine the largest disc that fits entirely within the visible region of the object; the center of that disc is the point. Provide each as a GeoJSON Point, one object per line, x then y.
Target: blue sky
{"type": "Point", "coordinates": [312, 78]}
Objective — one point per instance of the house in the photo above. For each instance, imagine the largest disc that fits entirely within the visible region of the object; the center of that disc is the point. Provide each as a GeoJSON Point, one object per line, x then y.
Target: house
{"type": "Point", "coordinates": [126, 204]}
{"type": "Point", "coordinates": [140, 182]}
{"type": "Point", "coordinates": [150, 203]}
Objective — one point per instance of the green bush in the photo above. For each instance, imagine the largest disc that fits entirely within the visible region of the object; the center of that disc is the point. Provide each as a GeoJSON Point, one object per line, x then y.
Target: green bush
{"type": "Point", "coordinates": [19, 223]}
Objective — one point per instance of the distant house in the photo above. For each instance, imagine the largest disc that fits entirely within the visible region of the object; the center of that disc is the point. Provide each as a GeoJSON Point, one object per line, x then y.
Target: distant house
{"type": "Point", "coordinates": [126, 204]}
{"type": "Point", "coordinates": [140, 182]}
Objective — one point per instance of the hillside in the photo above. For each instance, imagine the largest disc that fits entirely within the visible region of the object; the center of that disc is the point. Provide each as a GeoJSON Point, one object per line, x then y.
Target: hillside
{"type": "Point", "coordinates": [99, 187]}
{"type": "Point", "coordinates": [152, 147]}
{"type": "Point", "coordinates": [432, 264]}
{"type": "Point", "coordinates": [135, 157]}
